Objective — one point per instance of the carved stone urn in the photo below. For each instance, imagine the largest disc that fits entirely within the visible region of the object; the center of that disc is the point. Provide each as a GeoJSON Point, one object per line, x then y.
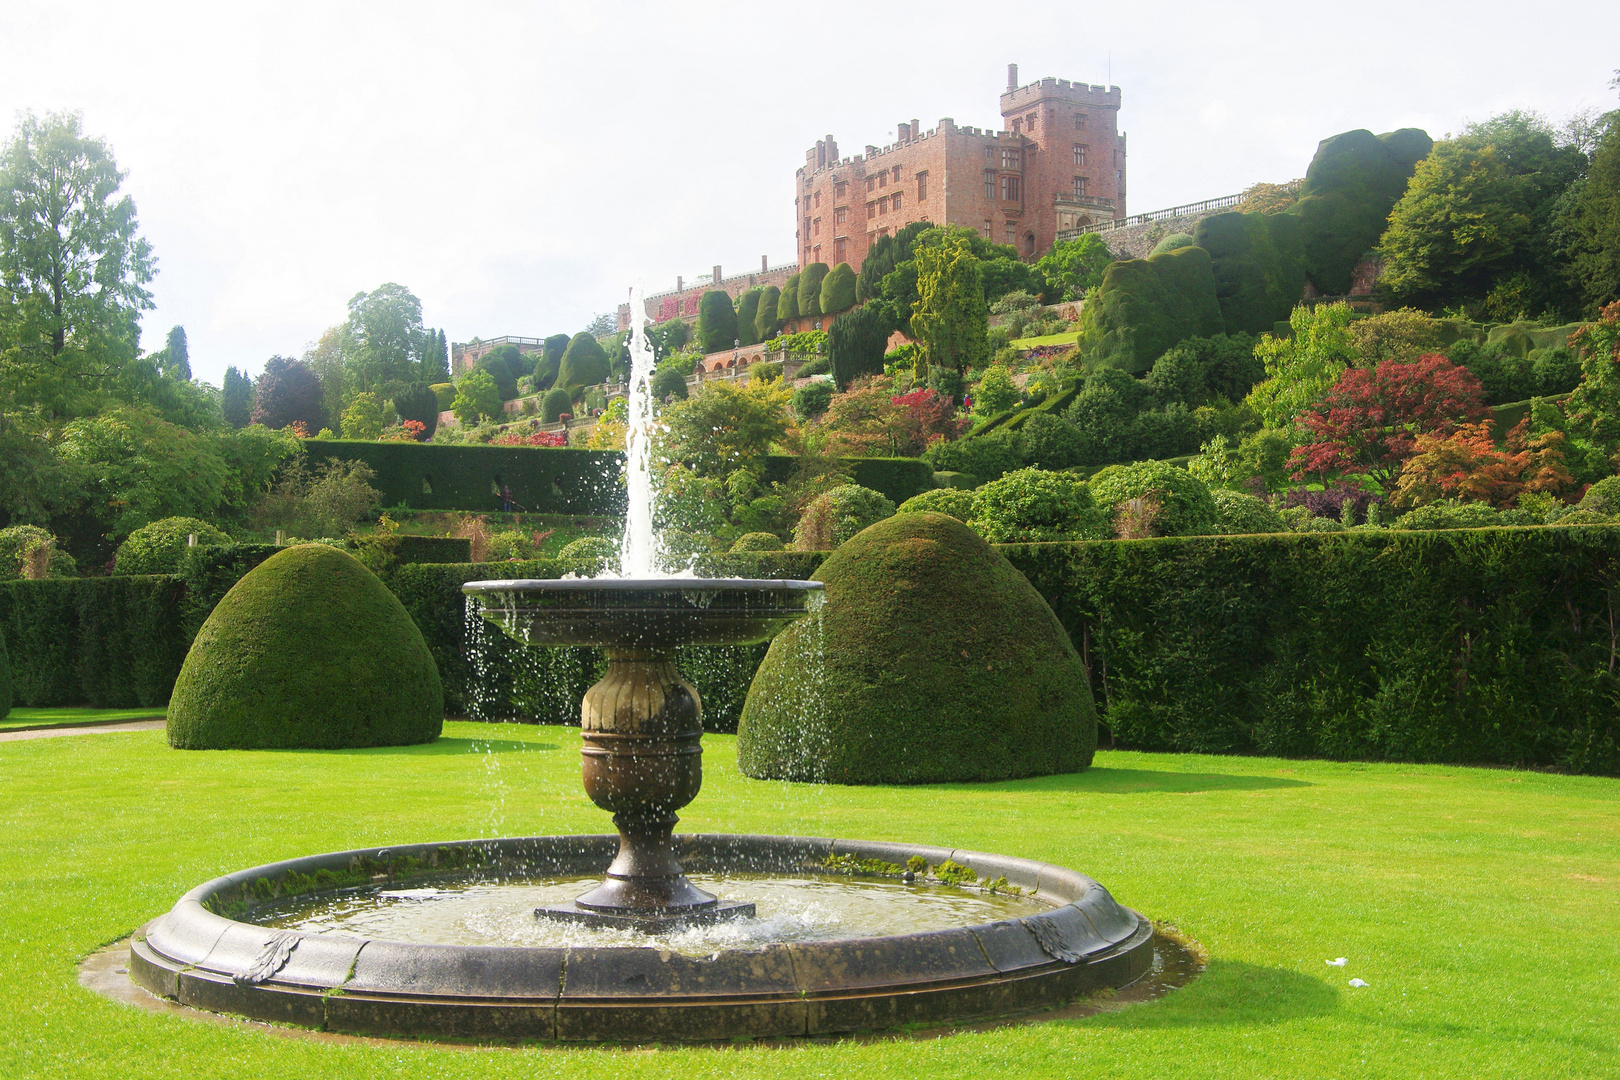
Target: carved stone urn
{"type": "Point", "coordinates": [642, 725]}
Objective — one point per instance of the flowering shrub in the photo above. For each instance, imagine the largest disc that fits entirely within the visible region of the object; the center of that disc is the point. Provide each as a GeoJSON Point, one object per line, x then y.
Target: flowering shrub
{"type": "Point", "coordinates": [407, 431]}
{"type": "Point", "coordinates": [538, 438]}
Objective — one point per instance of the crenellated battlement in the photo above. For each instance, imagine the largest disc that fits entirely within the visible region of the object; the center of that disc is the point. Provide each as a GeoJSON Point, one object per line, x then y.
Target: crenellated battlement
{"type": "Point", "coordinates": [1051, 89]}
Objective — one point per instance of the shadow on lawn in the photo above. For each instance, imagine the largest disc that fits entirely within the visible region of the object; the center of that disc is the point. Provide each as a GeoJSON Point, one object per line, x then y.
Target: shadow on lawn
{"type": "Point", "coordinates": [1106, 781]}
{"type": "Point", "coordinates": [1231, 993]}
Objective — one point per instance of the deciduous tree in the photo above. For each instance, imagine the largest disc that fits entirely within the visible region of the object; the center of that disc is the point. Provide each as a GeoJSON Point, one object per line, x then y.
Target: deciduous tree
{"type": "Point", "coordinates": [289, 393]}
{"type": "Point", "coordinates": [951, 319]}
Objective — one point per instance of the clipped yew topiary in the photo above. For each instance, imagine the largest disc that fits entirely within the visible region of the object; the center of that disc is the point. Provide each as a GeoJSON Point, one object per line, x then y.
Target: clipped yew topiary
{"type": "Point", "coordinates": [932, 660]}
{"type": "Point", "coordinates": [956, 502]}
{"type": "Point", "coordinates": [838, 290]}
{"type": "Point", "coordinates": [158, 548]}
{"type": "Point", "coordinates": [308, 650]}
{"type": "Point", "coordinates": [759, 541]}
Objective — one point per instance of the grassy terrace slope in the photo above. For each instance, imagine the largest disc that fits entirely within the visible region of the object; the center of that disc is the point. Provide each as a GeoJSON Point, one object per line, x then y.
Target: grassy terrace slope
{"type": "Point", "coordinates": [1481, 905]}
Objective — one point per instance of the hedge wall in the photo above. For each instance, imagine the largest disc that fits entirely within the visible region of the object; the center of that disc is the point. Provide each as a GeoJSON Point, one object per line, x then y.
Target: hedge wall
{"type": "Point", "coordinates": [438, 476]}
{"type": "Point", "coordinates": [1259, 267]}
{"type": "Point", "coordinates": [111, 643]}
{"type": "Point", "coordinates": [1469, 646]}
{"type": "Point", "coordinates": [1145, 306]}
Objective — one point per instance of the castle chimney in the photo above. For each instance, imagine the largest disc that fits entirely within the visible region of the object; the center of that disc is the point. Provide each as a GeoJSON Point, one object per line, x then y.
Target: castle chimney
{"type": "Point", "coordinates": [905, 133]}
{"type": "Point", "coordinates": [717, 273]}
{"type": "Point", "coordinates": [1012, 77]}
{"type": "Point", "coordinates": [821, 153]}
{"type": "Point", "coordinates": [678, 283]}
{"type": "Point", "coordinates": [764, 263]}
{"type": "Point", "coordinates": [916, 129]}
{"type": "Point", "coordinates": [832, 149]}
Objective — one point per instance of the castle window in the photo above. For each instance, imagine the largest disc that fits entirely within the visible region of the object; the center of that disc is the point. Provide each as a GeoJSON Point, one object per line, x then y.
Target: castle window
{"type": "Point", "coordinates": [985, 229]}
{"type": "Point", "coordinates": [1016, 125]}
{"type": "Point", "coordinates": [1009, 159]}
{"type": "Point", "coordinates": [841, 214]}
{"type": "Point", "coordinates": [989, 153]}
{"type": "Point", "coordinates": [922, 186]}
{"type": "Point", "coordinates": [883, 178]}
{"type": "Point", "coordinates": [1029, 121]}
{"type": "Point", "coordinates": [843, 244]}
{"type": "Point", "coordinates": [871, 182]}
{"type": "Point", "coordinates": [1080, 154]}
{"type": "Point", "coordinates": [1012, 236]}
{"type": "Point", "coordinates": [989, 183]}
{"type": "Point", "coordinates": [883, 206]}
{"type": "Point", "coordinates": [807, 228]}
{"type": "Point", "coordinates": [897, 174]}
{"type": "Point", "coordinates": [816, 202]}
{"type": "Point", "coordinates": [1009, 188]}
{"type": "Point", "coordinates": [816, 228]}
{"type": "Point", "coordinates": [841, 189]}
{"type": "Point", "coordinates": [895, 199]}
{"type": "Point", "coordinates": [1079, 121]}
{"type": "Point", "coordinates": [1079, 185]}
{"type": "Point", "coordinates": [871, 210]}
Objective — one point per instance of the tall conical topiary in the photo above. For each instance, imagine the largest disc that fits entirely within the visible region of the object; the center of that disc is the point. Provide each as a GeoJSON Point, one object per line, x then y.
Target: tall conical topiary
{"type": "Point", "coordinates": [788, 306]}
{"type": "Point", "coordinates": [810, 279]}
{"type": "Point", "coordinates": [838, 290]}
{"type": "Point", "coordinates": [584, 363]}
{"type": "Point", "coordinates": [747, 316]}
{"type": "Point", "coordinates": [308, 650]}
{"type": "Point", "coordinates": [765, 319]}
{"type": "Point", "coordinates": [717, 321]}
{"type": "Point", "coordinates": [932, 660]}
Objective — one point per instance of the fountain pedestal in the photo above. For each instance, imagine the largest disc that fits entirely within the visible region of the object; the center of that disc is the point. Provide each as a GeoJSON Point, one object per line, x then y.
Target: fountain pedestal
{"type": "Point", "coordinates": [643, 760]}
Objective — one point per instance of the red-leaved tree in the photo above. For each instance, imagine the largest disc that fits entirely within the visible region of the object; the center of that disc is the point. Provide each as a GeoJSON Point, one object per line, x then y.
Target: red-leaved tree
{"type": "Point", "coordinates": [1370, 419]}
{"type": "Point", "coordinates": [1468, 465]}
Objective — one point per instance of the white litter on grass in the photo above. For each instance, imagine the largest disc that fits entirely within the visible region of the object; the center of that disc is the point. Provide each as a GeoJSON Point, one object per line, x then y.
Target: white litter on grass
{"type": "Point", "coordinates": [1357, 982]}
{"type": "Point", "coordinates": [1340, 962]}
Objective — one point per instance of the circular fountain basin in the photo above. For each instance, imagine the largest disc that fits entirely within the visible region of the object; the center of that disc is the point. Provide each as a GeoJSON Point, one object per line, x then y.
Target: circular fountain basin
{"type": "Point", "coordinates": [652, 614]}
{"type": "Point", "coordinates": [1047, 936]}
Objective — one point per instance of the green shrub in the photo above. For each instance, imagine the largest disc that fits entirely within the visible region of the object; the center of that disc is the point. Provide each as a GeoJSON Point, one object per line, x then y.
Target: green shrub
{"type": "Point", "coordinates": [1603, 497]}
{"type": "Point", "coordinates": [1350, 187]}
{"type": "Point", "coordinates": [810, 279]}
{"type": "Point", "coordinates": [1033, 505]}
{"type": "Point", "coordinates": [556, 402]}
{"type": "Point", "coordinates": [308, 650]}
{"type": "Point", "coordinates": [960, 480]}
{"type": "Point", "coordinates": [1449, 514]}
{"type": "Point", "coordinates": [834, 516]}
{"type": "Point", "coordinates": [157, 548]}
{"type": "Point", "coordinates": [584, 363]}
{"type": "Point", "coordinates": [766, 322]}
{"type": "Point", "coordinates": [668, 382]}
{"type": "Point", "coordinates": [812, 399]}
{"type": "Point", "coordinates": [1050, 442]}
{"type": "Point", "coordinates": [933, 660]}
{"type": "Point", "coordinates": [590, 555]}
{"type": "Point", "coordinates": [1173, 242]}
{"type": "Point", "coordinates": [985, 456]}
{"type": "Point", "coordinates": [1318, 525]}
{"type": "Point", "coordinates": [1259, 267]}
{"type": "Point", "coordinates": [16, 544]}
{"type": "Point", "coordinates": [788, 307]}
{"type": "Point", "coordinates": [1489, 646]}
{"type": "Point", "coordinates": [1239, 514]}
{"type": "Point", "coordinates": [995, 392]}
{"type": "Point", "coordinates": [717, 321]}
{"type": "Point", "coordinates": [837, 290]}
{"type": "Point", "coordinates": [748, 316]}
{"type": "Point", "coordinates": [758, 541]}
{"type": "Point", "coordinates": [1144, 306]}
{"type": "Point", "coordinates": [445, 393]}
{"type": "Point", "coordinates": [855, 343]}
{"type": "Point", "coordinates": [897, 478]}
{"type": "Point", "coordinates": [1578, 516]}
{"type": "Point", "coordinates": [1185, 506]}
{"type": "Point", "coordinates": [942, 500]}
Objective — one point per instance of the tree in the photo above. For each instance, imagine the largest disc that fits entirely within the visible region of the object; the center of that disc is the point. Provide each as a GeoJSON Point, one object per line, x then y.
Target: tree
{"type": "Point", "coordinates": [952, 319]}
{"type": "Point", "coordinates": [996, 392]}
{"type": "Point", "coordinates": [177, 357]}
{"type": "Point", "coordinates": [766, 322]}
{"type": "Point", "coordinates": [364, 418]}
{"type": "Point", "coordinates": [1594, 407]}
{"type": "Point", "coordinates": [1073, 267]}
{"type": "Point", "coordinates": [477, 397]}
{"type": "Point", "coordinates": [1589, 220]}
{"type": "Point", "coordinates": [549, 361]}
{"type": "Point", "coordinates": [667, 380]}
{"type": "Point", "coordinates": [748, 316]}
{"type": "Point", "coordinates": [728, 426]}
{"type": "Point", "coordinates": [1466, 464]}
{"type": "Point", "coordinates": [838, 290]}
{"type": "Point", "coordinates": [289, 393]}
{"type": "Point", "coordinates": [856, 341]}
{"type": "Point", "coordinates": [1263, 198]}
{"type": "Point", "coordinates": [555, 404]}
{"type": "Point", "coordinates": [418, 402]}
{"type": "Point", "coordinates": [140, 469]}
{"type": "Point", "coordinates": [1301, 368]}
{"type": "Point", "coordinates": [436, 358]}
{"type": "Point", "coordinates": [236, 398]}
{"type": "Point", "coordinates": [504, 364]}
{"type": "Point", "coordinates": [72, 265]}
{"type": "Point", "coordinates": [810, 279]}
{"type": "Point", "coordinates": [886, 253]}
{"type": "Point", "coordinates": [584, 363]}
{"type": "Point", "coordinates": [717, 321]}
{"type": "Point", "coordinates": [386, 328]}
{"type": "Point", "coordinates": [1369, 420]}
{"type": "Point", "coordinates": [602, 325]}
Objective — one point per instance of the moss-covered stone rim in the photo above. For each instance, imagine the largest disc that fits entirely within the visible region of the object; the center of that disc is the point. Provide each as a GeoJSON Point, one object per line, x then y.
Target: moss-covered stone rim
{"type": "Point", "coordinates": [203, 958]}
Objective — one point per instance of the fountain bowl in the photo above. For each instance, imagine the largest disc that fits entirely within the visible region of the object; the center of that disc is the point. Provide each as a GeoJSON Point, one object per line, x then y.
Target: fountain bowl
{"type": "Point", "coordinates": [207, 953]}
{"type": "Point", "coordinates": [644, 614]}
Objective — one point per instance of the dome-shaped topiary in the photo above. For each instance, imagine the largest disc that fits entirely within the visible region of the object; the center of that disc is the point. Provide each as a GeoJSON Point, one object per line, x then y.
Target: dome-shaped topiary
{"type": "Point", "coordinates": [158, 548]}
{"type": "Point", "coordinates": [1162, 499]}
{"type": "Point", "coordinates": [1035, 506]}
{"type": "Point", "coordinates": [308, 650]}
{"type": "Point", "coordinates": [1603, 497]}
{"type": "Point", "coordinates": [1172, 242]}
{"type": "Point", "coordinates": [590, 555]}
{"type": "Point", "coordinates": [933, 659]}
{"type": "Point", "coordinates": [758, 541]}
{"type": "Point", "coordinates": [834, 516]}
{"type": "Point", "coordinates": [943, 500]}
{"type": "Point", "coordinates": [1237, 514]}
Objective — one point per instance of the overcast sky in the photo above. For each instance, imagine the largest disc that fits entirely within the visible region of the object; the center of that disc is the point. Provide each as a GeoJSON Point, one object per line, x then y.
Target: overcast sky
{"type": "Point", "coordinates": [518, 166]}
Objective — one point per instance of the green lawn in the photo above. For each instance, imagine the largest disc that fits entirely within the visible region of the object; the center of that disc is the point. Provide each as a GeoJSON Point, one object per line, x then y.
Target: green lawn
{"type": "Point", "coordinates": [34, 718]}
{"type": "Point", "coordinates": [1068, 338]}
{"type": "Point", "coordinates": [1482, 906]}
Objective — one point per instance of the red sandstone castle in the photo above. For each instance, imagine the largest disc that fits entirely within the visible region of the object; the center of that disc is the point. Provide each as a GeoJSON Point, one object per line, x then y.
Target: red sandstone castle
{"type": "Point", "coordinates": [1057, 164]}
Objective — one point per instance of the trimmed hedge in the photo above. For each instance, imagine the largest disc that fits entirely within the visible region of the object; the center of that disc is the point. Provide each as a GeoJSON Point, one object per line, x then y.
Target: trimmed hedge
{"type": "Point", "coordinates": [439, 476]}
{"type": "Point", "coordinates": [1353, 182]}
{"type": "Point", "coordinates": [1145, 306]}
{"type": "Point", "coordinates": [308, 651]}
{"type": "Point", "coordinates": [110, 643]}
{"type": "Point", "coordinates": [546, 480]}
{"type": "Point", "coordinates": [1259, 267]}
{"type": "Point", "coordinates": [1466, 646]}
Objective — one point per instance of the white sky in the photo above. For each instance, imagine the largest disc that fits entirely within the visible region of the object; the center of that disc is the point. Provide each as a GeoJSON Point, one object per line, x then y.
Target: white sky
{"type": "Point", "coordinates": [517, 166]}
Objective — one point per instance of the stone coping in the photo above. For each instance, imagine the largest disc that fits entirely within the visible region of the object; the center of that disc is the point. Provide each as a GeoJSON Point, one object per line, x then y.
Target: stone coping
{"type": "Point", "coordinates": [199, 955]}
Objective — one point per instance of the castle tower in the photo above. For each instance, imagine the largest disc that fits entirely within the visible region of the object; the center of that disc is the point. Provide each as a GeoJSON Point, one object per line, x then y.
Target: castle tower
{"type": "Point", "coordinates": [1074, 157]}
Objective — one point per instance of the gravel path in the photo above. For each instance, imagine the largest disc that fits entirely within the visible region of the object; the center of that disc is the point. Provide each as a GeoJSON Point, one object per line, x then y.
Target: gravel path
{"type": "Point", "coordinates": [82, 729]}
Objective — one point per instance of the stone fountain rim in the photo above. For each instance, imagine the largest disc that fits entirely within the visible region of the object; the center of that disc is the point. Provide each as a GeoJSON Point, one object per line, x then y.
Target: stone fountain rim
{"type": "Point", "coordinates": [641, 993]}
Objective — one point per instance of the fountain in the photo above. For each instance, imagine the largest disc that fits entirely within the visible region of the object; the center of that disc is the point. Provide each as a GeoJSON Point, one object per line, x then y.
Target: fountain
{"type": "Point", "coordinates": [1037, 936]}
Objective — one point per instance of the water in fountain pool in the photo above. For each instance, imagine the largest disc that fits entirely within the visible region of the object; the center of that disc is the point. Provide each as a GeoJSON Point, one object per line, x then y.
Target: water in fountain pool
{"type": "Point", "coordinates": [477, 911]}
